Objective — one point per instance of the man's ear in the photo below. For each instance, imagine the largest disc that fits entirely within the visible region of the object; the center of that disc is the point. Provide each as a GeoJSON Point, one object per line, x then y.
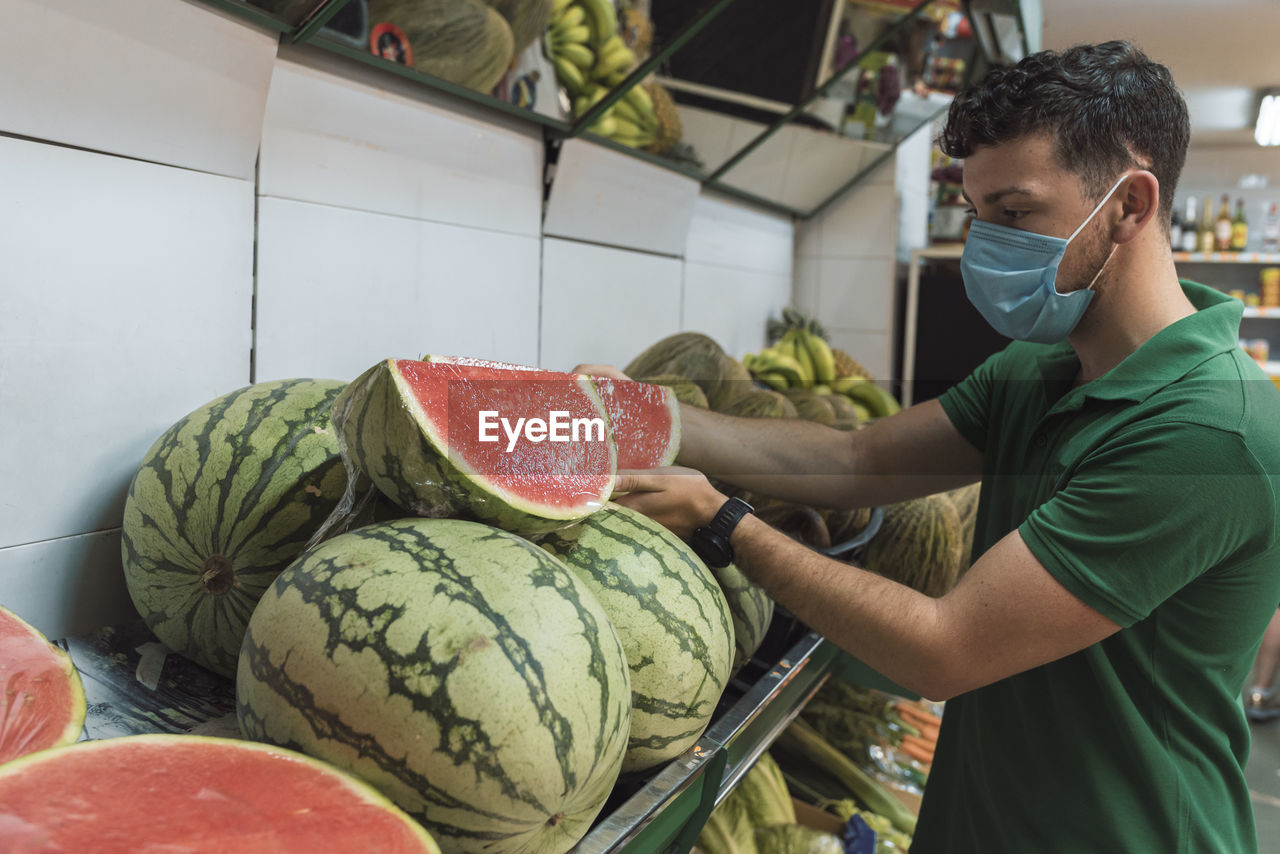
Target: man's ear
{"type": "Point", "coordinates": [1140, 200]}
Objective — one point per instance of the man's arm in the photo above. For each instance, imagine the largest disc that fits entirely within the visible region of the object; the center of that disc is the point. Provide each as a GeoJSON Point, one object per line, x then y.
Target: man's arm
{"type": "Point", "coordinates": [1006, 615]}
{"type": "Point", "coordinates": [916, 452]}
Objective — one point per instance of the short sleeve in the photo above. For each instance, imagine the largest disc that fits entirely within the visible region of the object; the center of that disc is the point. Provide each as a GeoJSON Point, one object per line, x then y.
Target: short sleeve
{"type": "Point", "coordinates": [968, 403]}
{"type": "Point", "coordinates": [1150, 511]}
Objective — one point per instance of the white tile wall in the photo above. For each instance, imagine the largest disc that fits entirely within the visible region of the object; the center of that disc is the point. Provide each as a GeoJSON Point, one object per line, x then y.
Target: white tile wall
{"type": "Point", "coordinates": [845, 270]}
{"type": "Point", "coordinates": [603, 305]}
{"type": "Point", "coordinates": [160, 80]}
{"type": "Point", "coordinates": [370, 146]}
{"type": "Point", "coordinates": [602, 196]}
{"type": "Point", "coordinates": [731, 233]}
{"type": "Point", "coordinates": [340, 289]}
{"type": "Point", "coordinates": [66, 586]}
{"type": "Point", "coordinates": [127, 290]}
{"type": "Point", "coordinates": [855, 293]}
{"type": "Point", "coordinates": [732, 305]}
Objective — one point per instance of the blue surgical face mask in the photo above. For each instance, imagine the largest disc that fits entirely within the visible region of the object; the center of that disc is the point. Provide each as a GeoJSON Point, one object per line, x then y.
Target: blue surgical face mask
{"type": "Point", "coordinates": [1009, 276]}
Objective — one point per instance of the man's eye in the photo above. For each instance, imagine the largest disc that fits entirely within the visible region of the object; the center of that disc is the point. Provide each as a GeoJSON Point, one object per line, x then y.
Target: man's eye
{"type": "Point", "coordinates": [1014, 215]}
{"type": "Point", "coordinates": [970, 210]}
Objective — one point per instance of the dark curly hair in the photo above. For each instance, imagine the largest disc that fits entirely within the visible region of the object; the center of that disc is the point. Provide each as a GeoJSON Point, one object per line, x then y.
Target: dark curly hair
{"type": "Point", "coordinates": [1108, 106]}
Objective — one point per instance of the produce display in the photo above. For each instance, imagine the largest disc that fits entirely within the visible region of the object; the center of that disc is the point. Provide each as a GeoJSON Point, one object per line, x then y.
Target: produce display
{"type": "Point", "coordinates": [671, 617]}
{"type": "Point", "coordinates": [222, 502]}
{"type": "Point", "coordinates": [195, 795]}
{"type": "Point", "coordinates": [41, 698]}
{"type": "Point", "coordinates": [462, 41]}
{"type": "Point", "coordinates": [491, 644]}
{"type": "Point", "coordinates": [591, 56]}
{"type": "Point", "coordinates": [826, 385]}
{"type": "Point", "coordinates": [467, 674]}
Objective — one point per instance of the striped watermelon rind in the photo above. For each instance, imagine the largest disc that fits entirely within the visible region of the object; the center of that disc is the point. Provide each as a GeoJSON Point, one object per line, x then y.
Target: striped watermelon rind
{"type": "Point", "coordinates": [752, 611]}
{"type": "Point", "coordinates": [671, 616]}
{"type": "Point", "coordinates": [464, 672]}
{"type": "Point", "coordinates": [32, 670]}
{"type": "Point", "coordinates": [223, 501]}
{"type": "Point", "coordinates": [387, 436]}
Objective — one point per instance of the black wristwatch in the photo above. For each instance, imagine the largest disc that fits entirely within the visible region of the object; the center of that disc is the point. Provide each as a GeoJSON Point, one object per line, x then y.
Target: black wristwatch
{"type": "Point", "coordinates": [711, 543]}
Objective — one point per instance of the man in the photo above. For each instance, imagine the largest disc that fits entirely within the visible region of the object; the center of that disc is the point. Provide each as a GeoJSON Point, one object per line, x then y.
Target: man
{"type": "Point", "coordinates": [1095, 653]}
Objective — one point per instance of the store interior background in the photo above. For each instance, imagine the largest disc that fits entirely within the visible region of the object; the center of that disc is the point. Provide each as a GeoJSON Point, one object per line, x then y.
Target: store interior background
{"type": "Point", "coordinates": [190, 206]}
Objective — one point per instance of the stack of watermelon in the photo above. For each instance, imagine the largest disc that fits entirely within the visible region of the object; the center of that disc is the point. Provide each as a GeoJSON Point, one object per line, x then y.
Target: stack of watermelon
{"type": "Point", "coordinates": [492, 662]}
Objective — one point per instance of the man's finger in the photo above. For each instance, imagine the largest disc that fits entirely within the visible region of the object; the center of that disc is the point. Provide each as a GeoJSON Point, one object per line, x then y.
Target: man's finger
{"type": "Point", "coordinates": [635, 481]}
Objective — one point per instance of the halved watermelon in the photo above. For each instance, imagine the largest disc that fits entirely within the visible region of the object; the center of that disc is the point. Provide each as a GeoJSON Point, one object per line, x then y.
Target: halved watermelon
{"type": "Point", "coordinates": [446, 437]}
{"type": "Point", "coordinates": [194, 794]}
{"type": "Point", "coordinates": [41, 698]}
{"type": "Point", "coordinates": [645, 420]}
{"type": "Point", "coordinates": [643, 417]}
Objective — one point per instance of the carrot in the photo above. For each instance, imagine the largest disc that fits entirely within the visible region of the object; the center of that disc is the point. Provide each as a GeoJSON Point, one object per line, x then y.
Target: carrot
{"type": "Point", "coordinates": [924, 757]}
{"type": "Point", "coordinates": [917, 716]}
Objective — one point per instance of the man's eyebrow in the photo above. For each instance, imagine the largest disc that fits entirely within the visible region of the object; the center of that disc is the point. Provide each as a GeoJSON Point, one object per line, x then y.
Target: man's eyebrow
{"type": "Point", "coordinates": [996, 195]}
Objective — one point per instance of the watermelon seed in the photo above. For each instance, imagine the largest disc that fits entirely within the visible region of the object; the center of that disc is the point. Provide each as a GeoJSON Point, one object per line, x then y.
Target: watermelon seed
{"type": "Point", "coordinates": [217, 575]}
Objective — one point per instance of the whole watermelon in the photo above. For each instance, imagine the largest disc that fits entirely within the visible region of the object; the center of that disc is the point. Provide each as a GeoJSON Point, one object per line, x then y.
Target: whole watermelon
{"type": "Point", "coordinates": [672, 619]}
{"type": "Point", "coordinates": [222, 502]}
{"type": "Point", "coordinates": [461, 670]}
{"type": "Point", "coordinates": [751, 610]}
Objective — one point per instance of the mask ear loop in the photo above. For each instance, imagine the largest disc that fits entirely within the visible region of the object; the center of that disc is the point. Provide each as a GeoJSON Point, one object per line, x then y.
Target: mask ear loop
{"type": "Point", "coordinates": [1087, 220]}
{"type": "Point", "coordinates": [1090, 217]}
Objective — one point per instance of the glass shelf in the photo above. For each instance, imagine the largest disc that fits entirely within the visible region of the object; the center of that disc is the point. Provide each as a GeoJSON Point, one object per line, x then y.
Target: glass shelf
{"type": "Point", "coordinates": [789, 129]}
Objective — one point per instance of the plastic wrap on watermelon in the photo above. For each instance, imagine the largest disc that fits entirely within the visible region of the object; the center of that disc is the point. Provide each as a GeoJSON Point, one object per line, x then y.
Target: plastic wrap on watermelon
{"type": "Point", "coordinates": [523, 449]}
{"type": "Point", "coordinates": [41, 698]}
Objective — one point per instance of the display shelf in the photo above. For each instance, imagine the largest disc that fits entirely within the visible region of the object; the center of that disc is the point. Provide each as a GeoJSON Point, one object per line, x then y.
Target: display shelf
{"type": "Point", "coordinates": [133, 684]}
{"type": "Point", "coordinates": [1228, 257]}
{"type": "Point", "coordinates": [1262, 312]}
{"type": "Point", "coordinates": [308, 28]}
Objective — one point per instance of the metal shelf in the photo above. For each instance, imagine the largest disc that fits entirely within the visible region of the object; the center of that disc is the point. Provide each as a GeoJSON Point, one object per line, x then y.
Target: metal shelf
{"type": "Point", "coordinates": [1228, 257]}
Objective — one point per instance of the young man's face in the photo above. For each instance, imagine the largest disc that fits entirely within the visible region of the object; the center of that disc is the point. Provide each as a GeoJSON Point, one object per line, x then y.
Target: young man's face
{"type": "Point", "coordinates": [1021, 185]}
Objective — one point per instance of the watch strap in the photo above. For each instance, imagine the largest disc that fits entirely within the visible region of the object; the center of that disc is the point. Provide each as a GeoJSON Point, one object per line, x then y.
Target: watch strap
{"type": "Point", "coordinates": [728, 517]}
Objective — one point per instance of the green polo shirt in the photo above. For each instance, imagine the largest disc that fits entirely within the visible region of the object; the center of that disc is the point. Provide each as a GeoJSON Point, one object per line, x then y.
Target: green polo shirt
{"type": "Point", "coordinates": [1151, 494]}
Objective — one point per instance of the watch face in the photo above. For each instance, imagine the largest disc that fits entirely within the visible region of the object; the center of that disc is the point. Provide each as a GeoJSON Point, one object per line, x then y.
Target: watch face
{"type": "Point", "coordinates": [712, 548]}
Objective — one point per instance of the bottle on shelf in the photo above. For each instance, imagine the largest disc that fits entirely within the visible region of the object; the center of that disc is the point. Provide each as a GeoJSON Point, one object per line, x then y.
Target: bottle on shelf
{"type": "Point", "coordinates": [1239, 228]}
{"type": "Point", "coordinates": [1189, 227]}
{"type": "Point", "coordinates": [1222, 226]}
{"type": "Point", "coordinates": [1175, 229]}
{"type": "Point", "coordinates": [1204, 237]}
{"type": "Point", "coordinates": [1271, 230]}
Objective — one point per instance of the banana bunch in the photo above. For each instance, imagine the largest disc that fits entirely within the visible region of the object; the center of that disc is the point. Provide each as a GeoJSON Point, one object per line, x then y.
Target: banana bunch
{"type": "Point", "coordinates": [582, 42]}
{"type": "Point", "coordinates": [803, 359]}
{"type": "Point", "coordinates": [591, 57]}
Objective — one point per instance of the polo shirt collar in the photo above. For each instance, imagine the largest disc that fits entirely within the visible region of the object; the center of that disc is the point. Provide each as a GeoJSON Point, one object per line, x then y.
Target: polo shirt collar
{"type": "Point", "coordinates": [1173, 351]}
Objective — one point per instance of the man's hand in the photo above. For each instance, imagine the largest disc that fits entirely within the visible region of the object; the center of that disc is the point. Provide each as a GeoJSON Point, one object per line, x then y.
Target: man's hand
{"type": "Point", "coordinates": [601, 371]}
{"type": "Point", "coordinates": [679, 498]}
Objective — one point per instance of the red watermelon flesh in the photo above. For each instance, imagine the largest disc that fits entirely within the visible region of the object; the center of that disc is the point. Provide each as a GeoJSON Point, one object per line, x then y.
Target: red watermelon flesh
{"type": "Point", "coordinates": [645, 420]}
{"type": "Point", "coordinates": [195, 795]}
{"type": "Point", "coordinates": [41, 698]}
{"type": "Point", "coordinates": [452, 393]}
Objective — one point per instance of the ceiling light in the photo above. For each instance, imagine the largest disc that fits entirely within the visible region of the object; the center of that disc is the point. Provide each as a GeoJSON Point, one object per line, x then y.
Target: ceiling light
{"type": "Point", "coordinates": [1267, 131]}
